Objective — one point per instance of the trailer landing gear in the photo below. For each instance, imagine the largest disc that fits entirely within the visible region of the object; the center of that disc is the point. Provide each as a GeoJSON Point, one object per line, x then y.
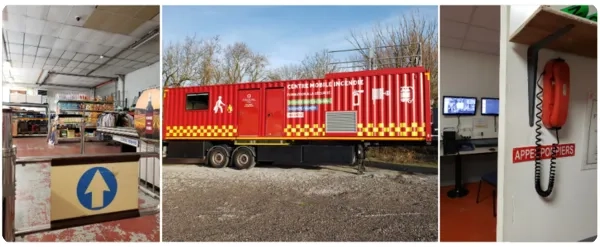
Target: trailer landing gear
{"type": "Point", "coordinates": [360, 159]}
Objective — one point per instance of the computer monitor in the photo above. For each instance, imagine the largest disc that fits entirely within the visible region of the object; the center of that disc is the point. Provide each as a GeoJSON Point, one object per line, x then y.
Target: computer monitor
{"type": "Point", "coordinates": [459, 106]}
{"type": "Point", "coordinates": [490, 106]}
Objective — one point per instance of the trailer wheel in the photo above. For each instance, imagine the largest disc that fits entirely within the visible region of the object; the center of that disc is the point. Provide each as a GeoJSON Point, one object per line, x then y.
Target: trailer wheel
{"type": "Point", "coordinates": [218, 157]}
{"type": "Point", "coordinates": [243, 158]}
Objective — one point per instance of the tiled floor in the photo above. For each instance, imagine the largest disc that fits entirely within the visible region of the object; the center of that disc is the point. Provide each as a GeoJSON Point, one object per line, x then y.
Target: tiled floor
{"type": "Point", "coordinates": [462, 219]}
{"type": "Point", "coordinates": [33, 199]}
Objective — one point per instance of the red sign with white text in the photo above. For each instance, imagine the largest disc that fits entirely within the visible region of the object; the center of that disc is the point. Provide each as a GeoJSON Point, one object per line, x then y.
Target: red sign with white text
{"type": "Point", "coordinates": [522, 154]}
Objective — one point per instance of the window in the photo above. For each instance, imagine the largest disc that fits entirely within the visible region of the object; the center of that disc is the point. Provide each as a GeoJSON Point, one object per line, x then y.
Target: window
{"type": "Point", "coordinates": [197, 101]}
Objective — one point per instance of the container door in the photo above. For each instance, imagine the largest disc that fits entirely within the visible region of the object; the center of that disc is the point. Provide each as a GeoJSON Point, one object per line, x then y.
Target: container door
{"type": "Point", "coordinates": [249, 112]}
{"type": "Point", "coordinates": [275, 112]}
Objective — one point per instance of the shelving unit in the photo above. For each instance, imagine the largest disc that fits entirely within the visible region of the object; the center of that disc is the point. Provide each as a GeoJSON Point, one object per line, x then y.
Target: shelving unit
{"type": "Point", "coordinates": [20, 116]}
{"type": "Point", "coordinates": [87, 109]}
{"type": "Point", "coordinates": [553, 29]}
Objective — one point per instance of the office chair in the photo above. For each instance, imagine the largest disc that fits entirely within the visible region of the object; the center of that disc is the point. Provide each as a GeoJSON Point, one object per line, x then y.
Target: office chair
{"type": "Point", "coordinates": [491, 179]}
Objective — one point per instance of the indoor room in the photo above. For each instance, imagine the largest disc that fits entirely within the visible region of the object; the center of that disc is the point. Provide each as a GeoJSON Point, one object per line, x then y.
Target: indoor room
{"type": "Point", "coordinates": [72, 76]}
{"type": "Point", "coordinates": [506, 137]}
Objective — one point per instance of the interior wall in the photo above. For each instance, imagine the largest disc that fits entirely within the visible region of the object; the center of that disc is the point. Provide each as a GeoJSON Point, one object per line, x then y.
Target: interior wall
{"type": "Point", "coordinates": [466, 73]}
{"type": "Point", "coordinates": [107, 89]}
{"type": "Point", "coordinates": [141, 79]}
{"type": "Point", "coordinates": [52, 92]}
{"type": "Point", "coordinates": [571, 212]}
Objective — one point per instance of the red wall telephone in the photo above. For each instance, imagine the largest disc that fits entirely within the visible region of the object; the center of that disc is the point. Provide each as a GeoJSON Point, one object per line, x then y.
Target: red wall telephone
{"type": "Point", "coordinates": [555, 106]}
{"type": "Point", "coordinates": [554, 101]}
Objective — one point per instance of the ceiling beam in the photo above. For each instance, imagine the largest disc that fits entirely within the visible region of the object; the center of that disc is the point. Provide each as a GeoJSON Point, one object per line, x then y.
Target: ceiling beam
{"type": "Point", "coordinates": [88, 76]}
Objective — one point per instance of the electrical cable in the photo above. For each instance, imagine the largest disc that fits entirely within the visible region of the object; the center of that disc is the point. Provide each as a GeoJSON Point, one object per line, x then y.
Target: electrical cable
{"type": "Point", "coordinates": [538, 148]}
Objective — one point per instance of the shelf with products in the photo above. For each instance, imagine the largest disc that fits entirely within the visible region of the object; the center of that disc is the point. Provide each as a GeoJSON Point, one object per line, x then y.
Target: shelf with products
{"type": "Point", "coordinates": [27, 122]}
{"type": "Point", "coordinates": [68, 128]}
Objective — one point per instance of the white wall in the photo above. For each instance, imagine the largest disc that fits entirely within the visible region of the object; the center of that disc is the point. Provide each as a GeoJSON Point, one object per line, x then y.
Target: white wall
{"type": "Point", "coordinates": [468, 74]}
{"type": "Point", "coordinates": [571, 213]}
{"type": "Point", "coordinates": [107, 89]}
{"type": "Point", "coordinates": [473, 74]}
{"type": "Point", "coordinates": [32, 89]}
{"type": "Point", "coordinates": [141, 79]}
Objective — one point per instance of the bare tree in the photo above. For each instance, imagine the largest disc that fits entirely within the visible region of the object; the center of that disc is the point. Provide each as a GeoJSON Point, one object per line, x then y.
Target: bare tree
{"type": "Point", "coordinates": [193, 60]}
{"type": "Point", "coordinates": [412, 41]}
{"type": "Point", "coordinates": [241, 64]}
{"type": "Point", "coordinates": [285, 72]}
{"type": "Point", "coordinates": [316, 65]}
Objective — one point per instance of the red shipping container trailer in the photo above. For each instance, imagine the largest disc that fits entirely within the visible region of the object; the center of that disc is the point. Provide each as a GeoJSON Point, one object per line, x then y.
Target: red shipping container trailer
{"type": "Point", "coordinates": [329, 120]}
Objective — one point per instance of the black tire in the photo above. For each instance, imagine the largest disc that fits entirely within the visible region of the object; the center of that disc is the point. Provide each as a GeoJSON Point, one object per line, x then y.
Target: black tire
{"type": "Point", "coordinates": [243, 158]}
{"type": "Point", "coordinates": [218, 157]}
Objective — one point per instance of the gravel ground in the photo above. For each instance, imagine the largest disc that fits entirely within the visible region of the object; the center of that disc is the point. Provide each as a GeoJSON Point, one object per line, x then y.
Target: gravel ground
{"type": "Point", "coordinates": [297, 204]}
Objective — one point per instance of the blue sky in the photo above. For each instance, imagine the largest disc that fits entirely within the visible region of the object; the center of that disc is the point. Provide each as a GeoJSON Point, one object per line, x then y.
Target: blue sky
{"type": "Point", "coordinates": [285, 34]}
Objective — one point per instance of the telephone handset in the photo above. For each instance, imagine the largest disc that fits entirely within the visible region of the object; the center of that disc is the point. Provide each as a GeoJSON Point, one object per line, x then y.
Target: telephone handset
{"type": "Point", "coordinates": [553, 109]}
{"type": "Point", "coordinates": [555, 104]}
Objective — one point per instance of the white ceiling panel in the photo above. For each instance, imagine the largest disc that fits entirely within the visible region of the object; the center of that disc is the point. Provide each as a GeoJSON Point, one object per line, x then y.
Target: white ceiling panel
{"type": "Point", "coordinates": [82, 11]}
{"type": "Point", "coordinates": [136, 55]}
{"type": "Point", "coordinates": [125, 54]}
{"type": "Point", "coordinates": [38, 12]}
{"type": "Point", "coordinates": [80, 57]}
{"type": "Point", "coordinates": [73, 64]}
{"type": "Point", "coordinates": [47, 41]}
{"type": "Point", "coordinates": [29, 50]}
{"type": "Point", "coordinates": [112, 52]}
{"type": "Point", "coordinates": [90, 59]}
{"type": "Point", "coordinates": [43, 52]}
{"type": "Point", "coordinates": [51, 61]}
{"type": "Point", "coordinates": [83, 65]}
{"type": "Point", "coordinates": [83, 35]}
{"type": "Point", "coordinates": [58, 13]}
{"type": "Point", "coordinates": [68, 55]}
{"type": "Point", "coordinates": [145, 57]}
{"type": "Point", "coordinates": [28, 59]}
{"type": "Point", "coordinates": [15, 48]}
{"type": "Point", "coordinates": [56, 53]}
{"type": "Point", "coordinates": [62, 63]}
{"type": "Point", "coordinates": [61, 44]}
{"type": "Point", "coordinates": [470, 28]}
{"type": "Point", "coordinates": [70, 32]}
{"type": "Point", "coordinates": [14, 22]}
{"type": "Point", "coordinates": [17, 9]}
{"type": "Point", "coordinates": [40, 60]}
{"type": "Point", "coordinates": [34, 26]}
{"type": "Point", "coordinates": [16, 58]}
{"type": "Point", "coordinates": [32, 39]}
{"type": "Point", "coordinates": [15, 37]}
{"type": "Point", "coordinates": [52, 29]}
{"type": "Point", "coordinates": [74, 45]}
{"type": "Point", "coordinates": [49, 38]}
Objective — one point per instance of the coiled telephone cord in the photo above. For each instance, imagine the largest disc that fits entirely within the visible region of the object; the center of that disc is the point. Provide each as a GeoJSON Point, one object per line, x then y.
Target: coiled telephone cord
{"type": "Point", "coordinates": [538, 149]}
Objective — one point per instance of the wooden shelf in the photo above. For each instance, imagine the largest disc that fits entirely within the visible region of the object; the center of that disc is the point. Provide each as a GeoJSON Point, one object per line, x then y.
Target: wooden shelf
{"type": "Point", "coordinates": [581, 39]}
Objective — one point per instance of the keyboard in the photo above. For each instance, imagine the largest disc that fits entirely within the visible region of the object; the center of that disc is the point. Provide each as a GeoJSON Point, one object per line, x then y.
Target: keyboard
{"type": "Point", "coordinates": [485, 143]}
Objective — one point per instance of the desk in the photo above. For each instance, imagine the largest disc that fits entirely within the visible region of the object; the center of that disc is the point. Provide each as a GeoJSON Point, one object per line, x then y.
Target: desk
{"type": "Point", "coordinates": [459, 190]}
